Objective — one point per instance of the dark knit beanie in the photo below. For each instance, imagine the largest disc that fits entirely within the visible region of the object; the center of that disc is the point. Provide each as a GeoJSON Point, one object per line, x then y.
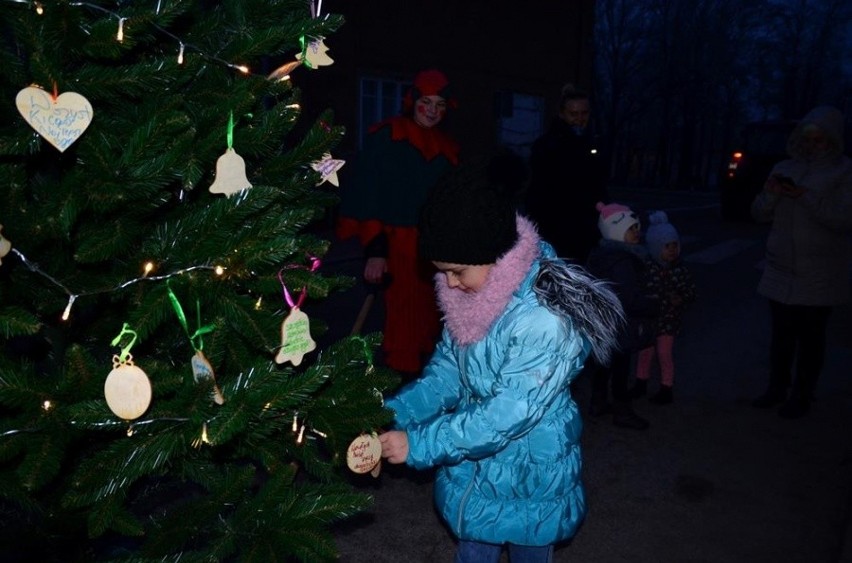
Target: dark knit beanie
{"type": "Point", "coordinates": [465, 220]}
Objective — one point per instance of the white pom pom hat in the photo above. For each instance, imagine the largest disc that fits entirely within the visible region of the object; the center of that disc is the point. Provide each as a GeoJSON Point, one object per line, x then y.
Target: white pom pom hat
{"type": "Point", "coordinates": [615, 219]}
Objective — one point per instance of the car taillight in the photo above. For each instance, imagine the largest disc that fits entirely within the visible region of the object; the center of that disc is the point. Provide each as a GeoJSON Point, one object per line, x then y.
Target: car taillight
{"type": "Point", "coordinates": [734, 163]}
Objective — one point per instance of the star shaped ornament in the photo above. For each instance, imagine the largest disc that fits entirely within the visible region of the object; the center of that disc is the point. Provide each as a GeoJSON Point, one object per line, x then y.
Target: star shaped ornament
{"type": "Point", "coordinates": [328, 167]}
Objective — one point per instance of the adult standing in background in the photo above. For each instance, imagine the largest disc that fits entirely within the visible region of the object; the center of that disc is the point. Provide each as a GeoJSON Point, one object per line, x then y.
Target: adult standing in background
{"type": "Point", "coordinates": [808, 199]}
{"type": "Point", "coordinates": [568, 177]}
{"type": "Point", "coordinates": [401, 161]}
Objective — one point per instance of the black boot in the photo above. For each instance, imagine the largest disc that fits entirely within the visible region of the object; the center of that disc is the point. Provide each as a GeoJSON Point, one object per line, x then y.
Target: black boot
{"type": "Point", "coordinates": [799, 402]}
{"type": "Point", "coordinates": [663, 396]}
{"type": "Point", "coordinates": [640, 387]}
{"type": "Point", "coordinates": [624, 417]}
{"type": "Point", "coordinates": [773, 396]}
{"type": "Point", "coordinates": [796, 406]}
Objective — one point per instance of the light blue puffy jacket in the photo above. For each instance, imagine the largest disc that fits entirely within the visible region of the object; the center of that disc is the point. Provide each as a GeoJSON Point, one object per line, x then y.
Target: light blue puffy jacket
{"type": "Point", "coordinates": [494, 409]}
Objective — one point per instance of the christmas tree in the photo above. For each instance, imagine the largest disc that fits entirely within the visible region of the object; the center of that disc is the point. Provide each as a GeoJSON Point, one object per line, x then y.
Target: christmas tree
{"type": "Point", "coordinates": [160, 394]}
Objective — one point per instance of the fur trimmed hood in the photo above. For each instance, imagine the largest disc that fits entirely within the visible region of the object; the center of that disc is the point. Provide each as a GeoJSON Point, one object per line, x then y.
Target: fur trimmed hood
{"type": "Point", "coordinates": [469, 316]}
{"type": "Point", "coordinates": [566, 290]}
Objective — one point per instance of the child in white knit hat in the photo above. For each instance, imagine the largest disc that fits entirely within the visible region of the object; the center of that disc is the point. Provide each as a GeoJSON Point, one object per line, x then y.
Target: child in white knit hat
{"type": "Point", "coordinates": [671, 280]}
{"type": "Point", "coordinates": [621, 259]}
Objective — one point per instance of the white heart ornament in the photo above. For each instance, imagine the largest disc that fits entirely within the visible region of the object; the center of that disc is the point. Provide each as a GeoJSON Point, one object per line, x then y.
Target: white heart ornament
{"type": "Point", "coordinates": [60, 121]}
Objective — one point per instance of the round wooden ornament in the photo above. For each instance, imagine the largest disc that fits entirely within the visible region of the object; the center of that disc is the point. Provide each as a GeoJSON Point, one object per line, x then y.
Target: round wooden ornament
{"type": "Point", "coordinates": [127, 390]}
{"type": "Point", "coordinates": [364, 453]}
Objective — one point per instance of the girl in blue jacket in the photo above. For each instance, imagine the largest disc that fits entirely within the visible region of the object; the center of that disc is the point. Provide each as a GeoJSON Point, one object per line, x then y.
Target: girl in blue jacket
{"type": "Point", "coordinates": [493, 408]}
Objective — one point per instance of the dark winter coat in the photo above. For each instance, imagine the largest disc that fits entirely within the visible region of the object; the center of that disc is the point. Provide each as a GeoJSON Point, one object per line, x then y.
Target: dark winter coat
{"type": "Point", "coordinates": [666, 281]}
{"type": "Point", "coordinates": [626, 267]}
{"type": "Point", "coordinates": [568, 177]}
{"type": "Point", "coordinates": [494, 408]}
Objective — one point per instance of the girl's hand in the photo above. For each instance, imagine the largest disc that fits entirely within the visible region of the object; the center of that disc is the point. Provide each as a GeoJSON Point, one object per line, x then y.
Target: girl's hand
{"type": "Point", "coordinates": [394, 446]}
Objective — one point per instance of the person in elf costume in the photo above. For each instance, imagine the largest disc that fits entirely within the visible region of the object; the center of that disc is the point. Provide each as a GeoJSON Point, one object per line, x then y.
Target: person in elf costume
{"type": "Point", "coordinates": [401, 161]}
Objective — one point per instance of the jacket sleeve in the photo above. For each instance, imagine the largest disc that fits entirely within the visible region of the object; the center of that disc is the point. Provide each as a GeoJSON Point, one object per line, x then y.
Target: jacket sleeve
{"type": "Point", "coordinates": [631, 291]}
{"type": "Point", "coordinates": [832, 207]}
{"type": "Point", "coordinates": [687, 286]}
{"type": "Point", "coordinates": [436, 392]}
{"type": "Point", "coordinates": [377, 247]}
{"type": "Point", "coordinates": [763, 205]}
{"type": "Point", "coordinates": [537, 366]}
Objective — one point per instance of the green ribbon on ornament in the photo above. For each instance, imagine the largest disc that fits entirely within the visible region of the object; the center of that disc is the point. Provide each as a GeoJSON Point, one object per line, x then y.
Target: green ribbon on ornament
{"type": "Point", "coordinates": [304, 45]}
{"type": "Point", "coordinates": [231, 131]}
{"type": "Point", "coordinates": [125, 352]}
{"type": "Point", "coordinates": [195, 338]}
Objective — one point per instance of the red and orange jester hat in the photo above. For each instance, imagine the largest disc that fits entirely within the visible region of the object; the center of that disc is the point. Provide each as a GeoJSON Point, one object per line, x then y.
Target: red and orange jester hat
{"type": "Point", "coordinates": [430, 82]}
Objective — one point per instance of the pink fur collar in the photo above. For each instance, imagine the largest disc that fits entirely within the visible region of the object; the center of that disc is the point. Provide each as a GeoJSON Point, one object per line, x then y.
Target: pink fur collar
{"type": "Point", "coordinates": [469, 316]}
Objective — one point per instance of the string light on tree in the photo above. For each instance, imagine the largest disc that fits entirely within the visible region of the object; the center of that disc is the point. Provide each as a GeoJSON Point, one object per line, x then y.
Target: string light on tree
{"type": "Point", "coordinates": [127, 202]}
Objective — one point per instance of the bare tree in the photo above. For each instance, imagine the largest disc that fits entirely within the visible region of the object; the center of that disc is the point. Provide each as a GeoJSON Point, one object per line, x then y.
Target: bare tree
{"type": "Point", "coordinates": [676, 79]}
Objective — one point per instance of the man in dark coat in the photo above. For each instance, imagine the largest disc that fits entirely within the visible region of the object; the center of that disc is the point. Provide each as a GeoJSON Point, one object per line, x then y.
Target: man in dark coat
{"type": "Point", "coordinates": [568, 177]}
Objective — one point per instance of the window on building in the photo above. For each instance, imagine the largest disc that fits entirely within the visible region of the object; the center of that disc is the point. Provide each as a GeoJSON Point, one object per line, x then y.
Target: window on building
{"type": "Point", "coordinates": [520, 120]}
{"type": "Point", "coordinates": [380, 98]}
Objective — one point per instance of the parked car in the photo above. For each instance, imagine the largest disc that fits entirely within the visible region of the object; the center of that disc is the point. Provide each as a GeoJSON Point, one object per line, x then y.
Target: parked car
{"type": "Point", "coordinates": [762, 145]}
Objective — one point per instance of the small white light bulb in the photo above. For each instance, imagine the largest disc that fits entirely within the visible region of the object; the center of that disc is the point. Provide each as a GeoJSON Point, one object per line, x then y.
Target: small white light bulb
{"type": "Point", "coordinates": [67, 312]}
{"type": "Point", "coordinates": [120, 35]}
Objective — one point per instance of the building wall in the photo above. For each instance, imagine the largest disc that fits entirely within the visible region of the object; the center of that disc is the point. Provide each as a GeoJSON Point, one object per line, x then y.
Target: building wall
{"type": "Point", "coordinates": [483, 46]}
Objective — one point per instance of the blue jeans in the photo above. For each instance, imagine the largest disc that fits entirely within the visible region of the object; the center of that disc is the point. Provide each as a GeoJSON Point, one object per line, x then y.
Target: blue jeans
{"type": "Point", "coordinates": [475, 552]}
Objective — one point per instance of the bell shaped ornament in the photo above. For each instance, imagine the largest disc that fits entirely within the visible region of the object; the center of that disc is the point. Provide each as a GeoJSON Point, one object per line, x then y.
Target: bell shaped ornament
{"type": "Point", "coordinates": [230, 174]}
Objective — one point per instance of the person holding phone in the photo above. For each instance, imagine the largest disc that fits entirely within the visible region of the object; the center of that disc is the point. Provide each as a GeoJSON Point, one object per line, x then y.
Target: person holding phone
{"type": "Point", "coordinates": [808, 200]}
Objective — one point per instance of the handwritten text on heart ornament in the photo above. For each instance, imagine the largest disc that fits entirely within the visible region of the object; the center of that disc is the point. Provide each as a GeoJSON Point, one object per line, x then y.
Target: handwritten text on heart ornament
{"type": "Point", "coordinates": [60, 121]}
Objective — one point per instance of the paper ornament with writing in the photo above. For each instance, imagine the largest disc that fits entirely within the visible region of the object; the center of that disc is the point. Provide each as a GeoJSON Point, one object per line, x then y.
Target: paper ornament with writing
{"type": "Point", "coordinates": [364, 454]}
{"type": "Point", "coordinates": [230, 174]}
{"type": "Point", "coordinates": [296, 338]}
{"type": "Point", "coordinates": [60, 120]}
{"type": "Point", "coordinates": [328, 167]}
{"type": "Point", "coordinates": [203, 371]}
{"type": "Point", "coordinates": [314, 54]}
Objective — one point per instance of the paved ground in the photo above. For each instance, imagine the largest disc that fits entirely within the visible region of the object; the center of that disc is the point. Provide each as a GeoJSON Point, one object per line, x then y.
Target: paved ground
{"type": "Point", "coordinates": [713, 480]}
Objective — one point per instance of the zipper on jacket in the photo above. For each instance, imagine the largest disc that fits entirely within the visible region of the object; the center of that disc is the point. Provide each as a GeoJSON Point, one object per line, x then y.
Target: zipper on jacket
{"type": "Point", "coordinates": [465, 496]}
{"type": "Point", "coordinates": [469, 488]}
